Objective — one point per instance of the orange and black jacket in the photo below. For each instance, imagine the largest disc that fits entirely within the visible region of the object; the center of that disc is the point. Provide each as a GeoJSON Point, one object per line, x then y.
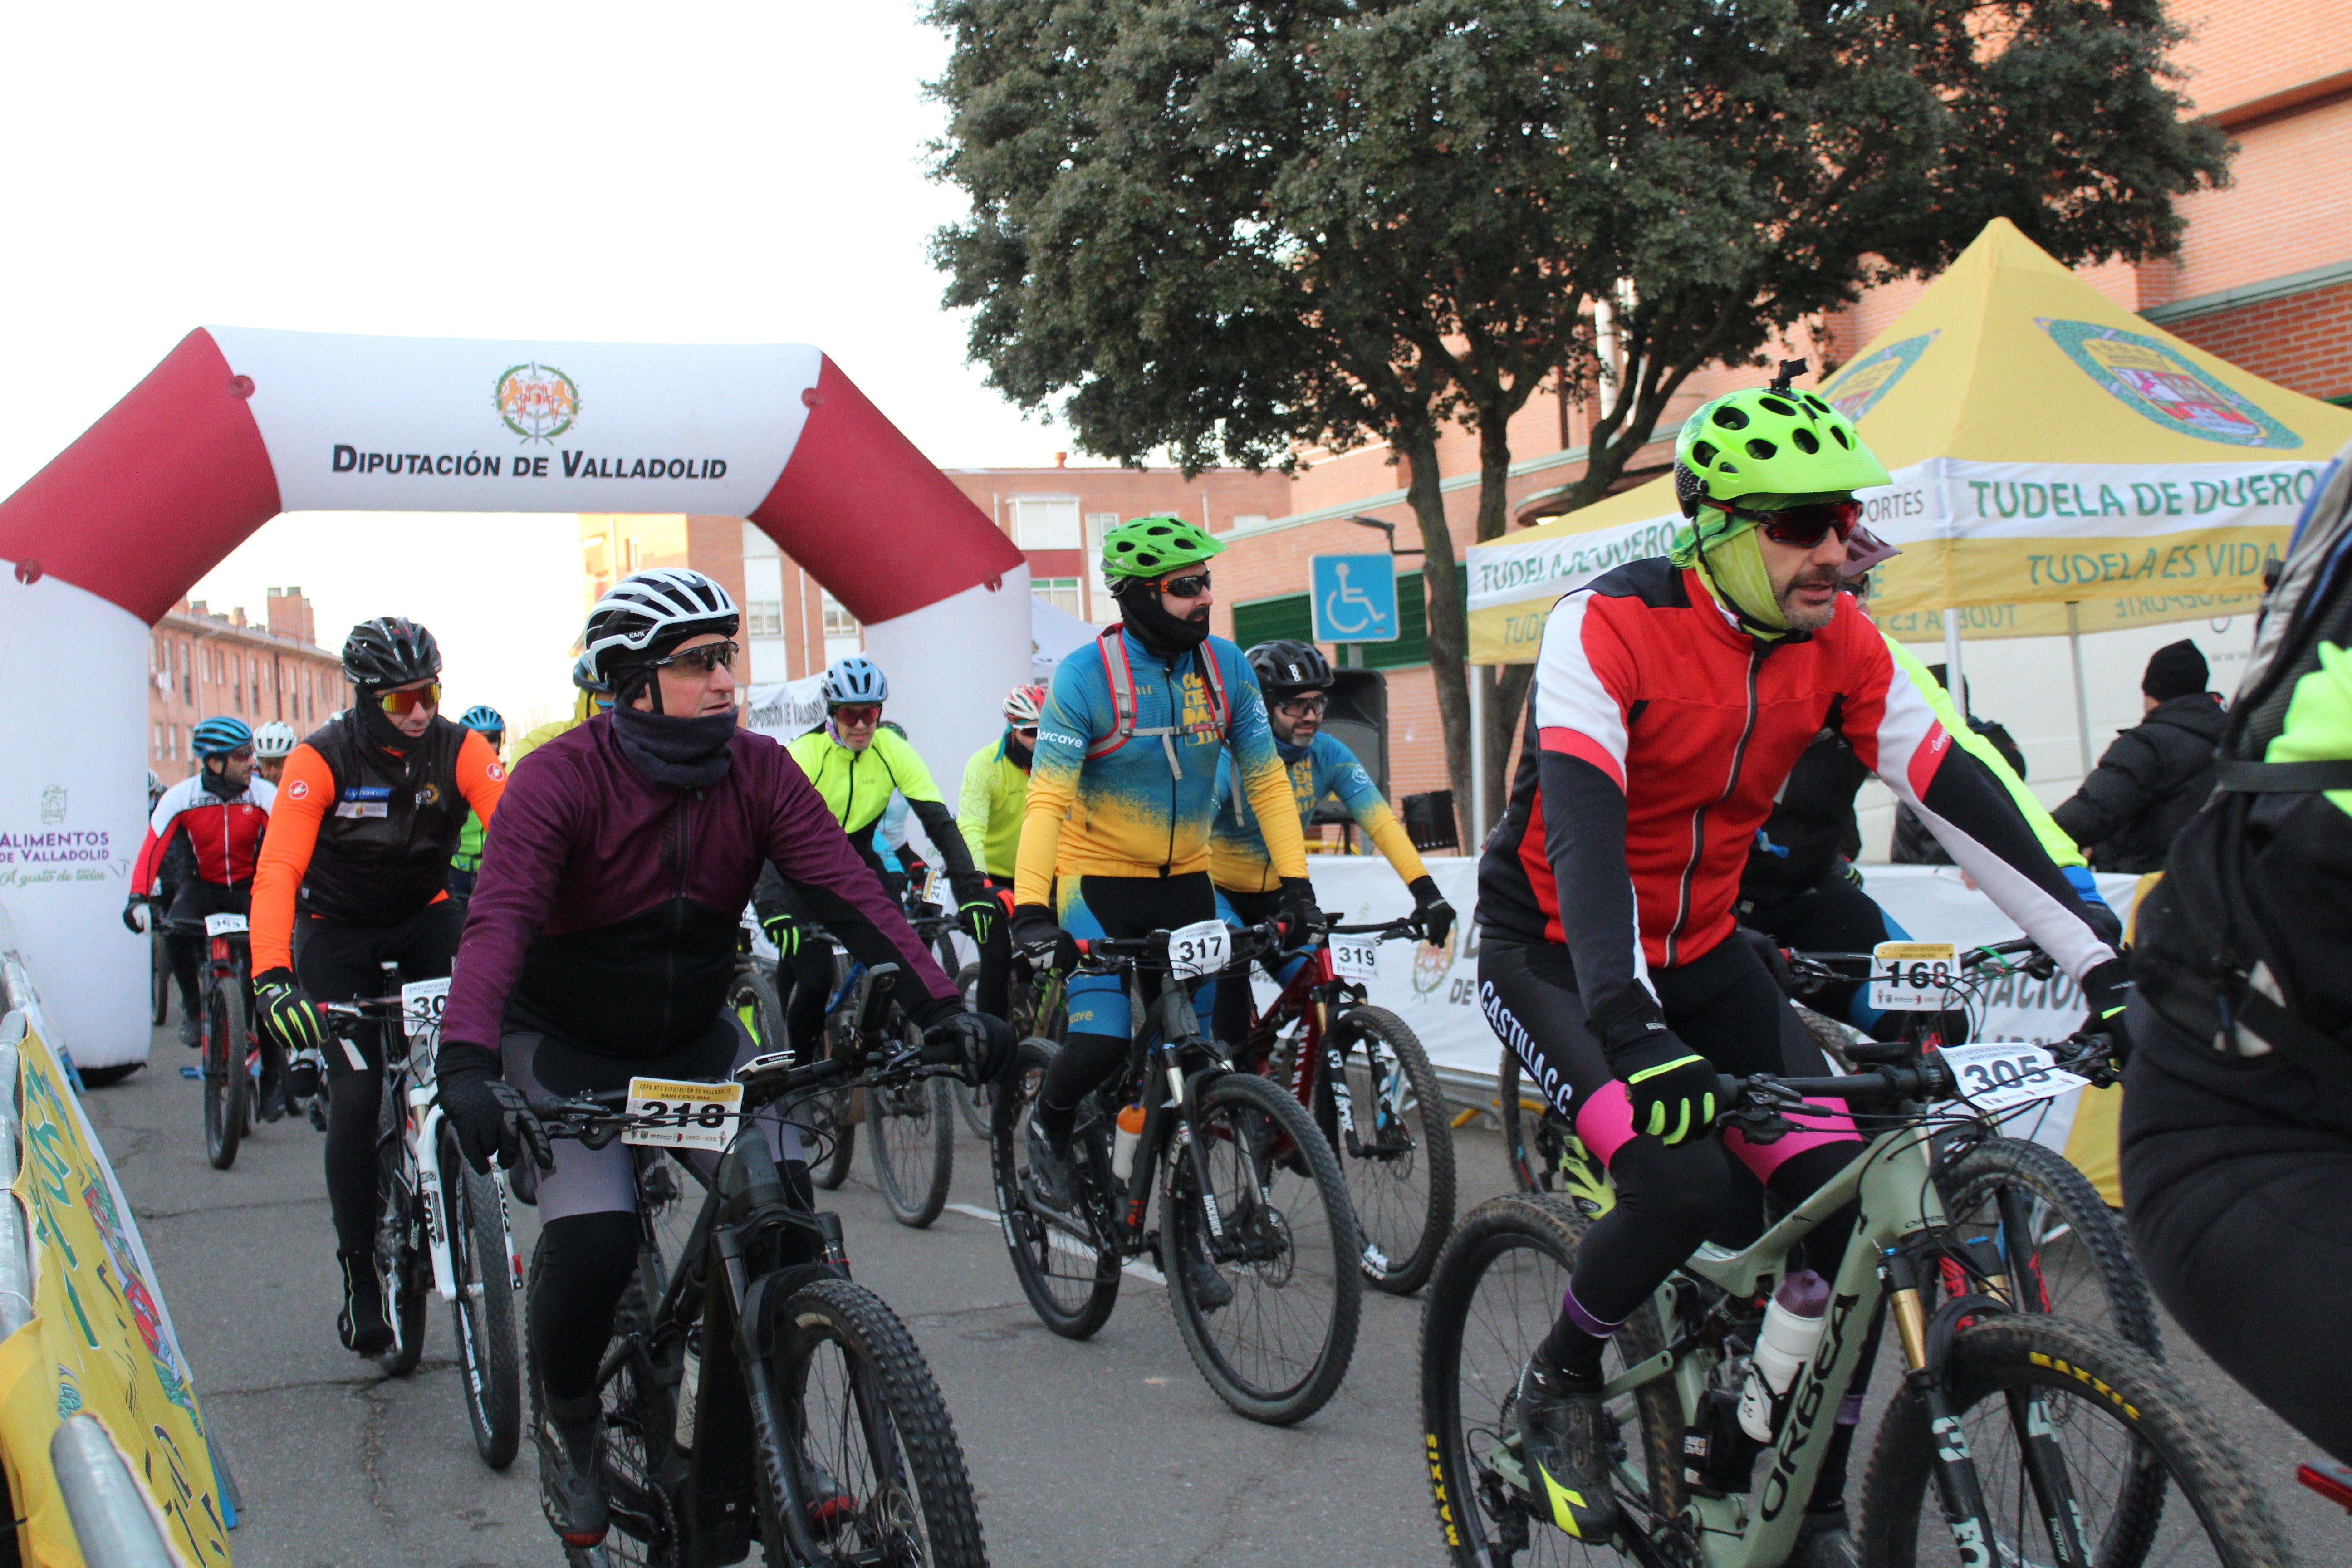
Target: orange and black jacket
{"type": "Point", "coordinates": [362, 834]}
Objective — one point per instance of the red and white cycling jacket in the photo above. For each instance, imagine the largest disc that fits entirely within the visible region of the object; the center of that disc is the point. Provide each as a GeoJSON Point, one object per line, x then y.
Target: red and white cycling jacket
{"type": "Point", "coordinates": [227, 834]}
{"type": "Point", "coordinates": [1659, 733]}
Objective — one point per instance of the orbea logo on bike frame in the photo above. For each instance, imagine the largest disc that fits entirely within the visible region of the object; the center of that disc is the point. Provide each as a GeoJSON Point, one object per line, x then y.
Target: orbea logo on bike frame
{"type": "Point", "coordinates": [537, 401]}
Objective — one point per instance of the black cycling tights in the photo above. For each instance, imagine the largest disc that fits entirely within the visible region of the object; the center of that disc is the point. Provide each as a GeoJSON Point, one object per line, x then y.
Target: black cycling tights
{"type": "Point", "coordinates": [337, 963]}
{"type": "Point", "coordinates": [2238, 1186]}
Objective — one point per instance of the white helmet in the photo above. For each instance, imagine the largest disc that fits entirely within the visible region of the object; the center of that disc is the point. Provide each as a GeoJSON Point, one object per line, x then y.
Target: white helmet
{"type": "Point", "coordinates": [1024, 705]}
{"type": "Point", "coordinates": [274, 740]}
{"type": "Point", "coordinates": [646, 612]}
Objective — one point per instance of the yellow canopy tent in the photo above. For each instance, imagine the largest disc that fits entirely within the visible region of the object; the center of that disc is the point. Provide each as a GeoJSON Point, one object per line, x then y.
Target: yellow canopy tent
{"type": "Point", "coordinates": [2060, 465]}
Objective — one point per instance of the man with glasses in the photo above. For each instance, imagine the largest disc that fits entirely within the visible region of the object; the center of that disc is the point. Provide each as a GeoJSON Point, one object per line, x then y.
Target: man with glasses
{"type": "Point", "coordinates": [988, 812]}
{"type": "Point", "coordinates": [857, 763]}
{"type": "Point", "coordinates": [1115, 830]}
{"type": "Point", "coordinates": [356, 875]}
{"type": "Point", "coordinates": [222, 809]}
{"type": "Point", "coordinates": [1297, 681]}
{"type": "Point", "coordinates": [1671, 699]}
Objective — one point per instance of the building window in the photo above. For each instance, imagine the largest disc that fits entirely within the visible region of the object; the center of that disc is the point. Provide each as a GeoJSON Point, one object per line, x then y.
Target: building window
{"type": "Point", "coordinates": [838, 621]}
{"type": "Point", "coordinates": [765, 617]}
{"type": "Point", "coordinates": [1045, 522]}
{"type": "Point", "coordinates": [1061, 592]}
{"type": "Point", "coordinates": [1249, 520]}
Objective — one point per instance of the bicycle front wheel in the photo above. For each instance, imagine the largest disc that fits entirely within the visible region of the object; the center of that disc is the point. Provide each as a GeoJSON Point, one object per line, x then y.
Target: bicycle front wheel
{"type": "Point", "coordinates": [2094, 1415]}
{"type": "Point", "coordinates": [1267, 1298]}
{"type": "Point", "coordinates": [1493, 1296]}
{"type": "Point", "coordinates": [159, 971]}
{"type": "Point", "coordinates": [484, 1313]}
{"type": "Point", "coordinates": [226, 1080]}
{"type": "Point", "coordinates": [881, 1475]}
{"type": "Point", "coordinates": [911, 1131]}
{"type": "Point", "coordinates": [1392, 1132]}
{"type": "Point", "coordinates": [2054, 1235]}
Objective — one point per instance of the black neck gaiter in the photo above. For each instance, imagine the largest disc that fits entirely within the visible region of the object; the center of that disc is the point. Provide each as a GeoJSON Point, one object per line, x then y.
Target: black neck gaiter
{"type": "Point", "coordinates": [1019, 751]}
{"type": "Point", "coordinates": [218, 785]}
{"type": "Point", "coordinates": [677, 753]}
{"type": "Point", "coordinates": [1160, 633]}
{"type": "Point", "coordinates": [377, 727]}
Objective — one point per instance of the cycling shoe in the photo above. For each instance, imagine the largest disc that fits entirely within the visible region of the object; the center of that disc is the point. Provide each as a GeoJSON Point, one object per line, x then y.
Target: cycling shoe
{"type": "Point", "coordinates": [1823, 1541]}
{"type": "Point", "coordinates": [361, 1324]}
{"type": "Point", "coordinates": [302, 1076]}
{"type": "Point", "coordinates": [189, 1035]}
{"type": "Point", "coordinates": [829, 1508]}
{"type": "Point", "coordinates": [1052, 1181]}
{"type": "Point", "coordinates": [1563, 1438]}
{"type": "Point", "coordinates": [570, 1440]}
{"type": "Point", "coordinates": [1209, 1290]}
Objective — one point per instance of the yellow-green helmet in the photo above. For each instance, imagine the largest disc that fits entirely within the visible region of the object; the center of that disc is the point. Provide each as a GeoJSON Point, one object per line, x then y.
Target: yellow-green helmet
{"type": "Point", "coordinates": [1154, 546]}
{"type": "Point", "coordinates": [1767, 440]}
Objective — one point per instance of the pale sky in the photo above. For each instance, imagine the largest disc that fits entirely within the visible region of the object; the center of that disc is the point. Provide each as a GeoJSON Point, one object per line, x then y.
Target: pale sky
{"type": "Point", "coordinates": [688, 173]}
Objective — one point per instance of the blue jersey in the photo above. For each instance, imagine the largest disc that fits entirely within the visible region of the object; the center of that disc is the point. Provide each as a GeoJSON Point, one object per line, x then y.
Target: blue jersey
{"type": "Point", "coordinates": [1323, 767]}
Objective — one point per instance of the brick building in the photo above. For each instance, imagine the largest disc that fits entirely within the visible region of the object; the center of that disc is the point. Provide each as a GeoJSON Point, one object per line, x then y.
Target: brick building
{"type": "Point", "coordinates": [201, 665]}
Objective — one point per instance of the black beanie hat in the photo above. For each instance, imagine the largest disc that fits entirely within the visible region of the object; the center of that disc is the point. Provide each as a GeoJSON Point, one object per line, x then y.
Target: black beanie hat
{"type": "Point", "coordinates": [2176, 669]}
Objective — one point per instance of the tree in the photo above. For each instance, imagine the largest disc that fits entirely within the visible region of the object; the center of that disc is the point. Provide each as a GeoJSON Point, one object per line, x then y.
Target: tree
{"type": "Point", "coordinates": [1229, 231]}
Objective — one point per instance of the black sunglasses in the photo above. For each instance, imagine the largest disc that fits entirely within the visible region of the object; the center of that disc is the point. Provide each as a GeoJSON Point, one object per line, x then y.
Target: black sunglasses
{"type": "Point", "coordinates": [703, 660]}
{"type": "Point", "coordinates": [1800, 527]}
{"type": "Point", "coordinates": [1189, 587]}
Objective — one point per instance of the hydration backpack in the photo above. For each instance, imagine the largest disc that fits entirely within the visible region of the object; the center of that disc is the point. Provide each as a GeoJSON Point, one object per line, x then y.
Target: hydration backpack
{"type": "Point", "coordinates": [1122, 698]}
{"type": "Point", "coordinates": [2245, 945]}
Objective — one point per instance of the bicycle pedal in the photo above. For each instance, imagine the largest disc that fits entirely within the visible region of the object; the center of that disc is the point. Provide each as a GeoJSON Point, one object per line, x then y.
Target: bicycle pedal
{"type": "Point", "coordinates": [191, 1072]}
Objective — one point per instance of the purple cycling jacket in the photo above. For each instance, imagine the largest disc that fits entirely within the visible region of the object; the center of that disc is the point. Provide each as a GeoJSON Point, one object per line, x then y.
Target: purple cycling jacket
{"type": "Point", "coordinates": [606, 909]}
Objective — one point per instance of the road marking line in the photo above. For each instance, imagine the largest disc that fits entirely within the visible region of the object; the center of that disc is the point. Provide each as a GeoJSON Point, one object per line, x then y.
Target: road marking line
{"type": "Point", "coordinates": [1069, 1244]}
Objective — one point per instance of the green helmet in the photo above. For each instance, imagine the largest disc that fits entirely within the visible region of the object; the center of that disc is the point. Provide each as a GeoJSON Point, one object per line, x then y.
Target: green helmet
{"type": "Point", "coordinates": [1767, 441]}
{"type": "Point", "coordinates": [1154, 546]}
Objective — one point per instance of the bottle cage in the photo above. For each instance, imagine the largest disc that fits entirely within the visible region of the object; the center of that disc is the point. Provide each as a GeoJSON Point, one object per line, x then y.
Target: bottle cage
{"type": "Point", "coordinates": [1113, 644]}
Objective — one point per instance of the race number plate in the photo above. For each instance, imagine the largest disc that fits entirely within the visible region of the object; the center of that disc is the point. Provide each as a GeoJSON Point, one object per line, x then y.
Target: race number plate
{"type": "Point", "coordinates": [224, 925]}
{"type": "Point", "coordinates": [421, 1002]}
{"type": "Point", "coordinates": [685, 1115]}
{"type": "Point", "coordinates": [1198, 949]}
{"type": "Point", "coordinates": [2000, 1075]}
{"type": "Point", "coordinates": [1356, 957]}
{"type": "Point", "coordinates": [934, 886]}
{"type": "Point", "coordinates": [1912, 977]}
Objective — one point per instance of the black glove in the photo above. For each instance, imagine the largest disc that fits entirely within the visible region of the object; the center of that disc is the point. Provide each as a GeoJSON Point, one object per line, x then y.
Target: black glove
{"type": "Point", "coordinates": [980, 916]}
{"type": "Point", "coordinates": [492, 1120]}
{"type": "Point", "coordinates": [1297, 916]}
{"type": "Point", "coordinates": [1673, 1087]}
{"type": "Point", "coordinates": [134, 915]}
{"type": "Point", "coordinates": [292, 1019]}
{"type": "Point", "coordinates": [783, 929]}
{"type": "Point", "coordinates": [1036, 933]}
{"type": "Point", "coordinates": [1436, 914]}
{"type": "Point", "coordinates": [2106, 991]}
{"type": "Point", "coordinates": [2096, 910]}
{"type": "Point", "coordinates": [976, 1045]}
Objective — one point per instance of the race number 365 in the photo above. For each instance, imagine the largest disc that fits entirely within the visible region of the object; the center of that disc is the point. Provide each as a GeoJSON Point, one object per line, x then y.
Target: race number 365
{"type": "Point", "coordinates": [1911, 976]}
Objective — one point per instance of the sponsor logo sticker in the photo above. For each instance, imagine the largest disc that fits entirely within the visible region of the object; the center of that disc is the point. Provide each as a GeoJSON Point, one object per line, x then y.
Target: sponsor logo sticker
{"type": "Point", "coordinates": [537, 401]}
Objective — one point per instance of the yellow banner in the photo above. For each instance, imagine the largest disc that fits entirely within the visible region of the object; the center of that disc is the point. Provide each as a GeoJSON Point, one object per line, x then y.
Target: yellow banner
{"type": "Point", "coordinates": [98, 1342]}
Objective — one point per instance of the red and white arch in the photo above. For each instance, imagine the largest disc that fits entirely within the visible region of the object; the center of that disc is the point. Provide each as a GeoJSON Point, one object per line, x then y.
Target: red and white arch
{"type": "Point", "coordinates": [236, 425]}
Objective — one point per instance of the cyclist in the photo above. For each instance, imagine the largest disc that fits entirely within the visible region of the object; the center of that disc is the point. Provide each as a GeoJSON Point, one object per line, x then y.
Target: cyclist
{"type": "Point", "coordinates": [1671, 699]}
{"type": "Point", "coordinates": [491, 726]}
{"type": "Point", "coordinates": [1133, 854]}
{"type": "Point", "coordinates": [1296, 681]}
{"type": "Point", "coordinates": [224, 811]}
{"type": "Point", "coordinates": [272, 743]}
{"type": "Point", "coordinates": [988, 813]}
{"type": "Point", "coordinates": [856, 764]}
{"type": "Point", "coordinates": [595, 950]}
{"type": "Point", "coordinates": [357, 875]}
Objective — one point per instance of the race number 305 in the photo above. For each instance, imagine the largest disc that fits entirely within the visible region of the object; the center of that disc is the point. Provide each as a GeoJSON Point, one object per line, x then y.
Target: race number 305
{"type": "Point", "coordinates": [668, 1114]}
{"type": "Point", "coordinates": [1912, 977]}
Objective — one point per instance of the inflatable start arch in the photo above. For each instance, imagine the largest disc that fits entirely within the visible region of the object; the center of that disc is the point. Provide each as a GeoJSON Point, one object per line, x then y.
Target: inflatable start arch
{"type": "Point", "coordinates": [236, 425]}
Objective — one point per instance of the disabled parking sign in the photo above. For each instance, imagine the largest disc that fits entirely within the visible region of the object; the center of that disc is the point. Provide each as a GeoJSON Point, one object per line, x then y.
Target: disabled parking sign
{"type": "Point", "coordinates": [1355, 599]}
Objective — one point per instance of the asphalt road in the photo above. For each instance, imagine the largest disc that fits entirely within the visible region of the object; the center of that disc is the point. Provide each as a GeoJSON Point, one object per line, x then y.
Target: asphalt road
{"type": "Point", "coordinates": [1104, 1454]}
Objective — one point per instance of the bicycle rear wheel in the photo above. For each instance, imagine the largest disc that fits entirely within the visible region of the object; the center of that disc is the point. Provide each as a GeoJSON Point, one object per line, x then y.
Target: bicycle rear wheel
{"type": "Point", "coordinates": [483, 1316]}
{"type": "Point", "coordinates": [911, 1132]}
{"type": "Point", "coordinates": [1495, 1293]}
{"type": "Point", "coordinates": [226, 1080]}
{"type": "Point", "coordinates": [400, 1257]}
{"type": "Point", "coordinates": [2103, 1415]}
{"type": "Point", "coordinates": [1071, 1281]}
{"type": "Point", "coordinates": [876, 1463]}
{"type": "Point", "coordinates": [159, 971]}
{"type": "Point", "coordinates": [1394, 1140]}
{"type": "Point", "coordinates": [1267, 1303]}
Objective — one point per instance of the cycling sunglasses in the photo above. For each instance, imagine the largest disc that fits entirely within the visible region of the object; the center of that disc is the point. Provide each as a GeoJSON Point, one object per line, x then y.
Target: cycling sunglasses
{"type": "Point", "coordinates": [1801, 527]}
{"type": "Point", "coordinates": [1028, 736]}
{"type": "Point", "coordinates": [859, 715]}
{"type": "Point", "coordinates": [409, 699]}
{"type": "Point", "coordinates": [1314, 702]}
{"type": "Point", "coordinates": [702, 659]}
{"type": "Point", "coordinates": [1192, 585]}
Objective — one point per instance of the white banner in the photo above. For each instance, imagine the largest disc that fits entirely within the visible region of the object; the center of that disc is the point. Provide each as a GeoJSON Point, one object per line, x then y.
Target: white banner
{"type": "Point", "coordinates": [374, 423]}
{"type": "Point", "coordinates": [787, 709]}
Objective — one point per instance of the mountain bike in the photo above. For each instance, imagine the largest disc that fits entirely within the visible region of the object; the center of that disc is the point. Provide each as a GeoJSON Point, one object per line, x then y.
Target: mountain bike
{"type": "Point", "coordinates": [441, 1225]}
{"type": "Point", "coordinates": [1361, 1072]}
{"type": "Point", "coordinates": [2022, 1197]}
{"type": "Point", "coordinates": [1034, 1001]}
{"type": "Point", "coordinates": [2043, 1439]}
{"type": "Point", "coordinates": [240, 1064]}
{"type": "Point", "coordinates": [750, 1400]}
{"type": "Point", "coordinates": [1256, 1238]}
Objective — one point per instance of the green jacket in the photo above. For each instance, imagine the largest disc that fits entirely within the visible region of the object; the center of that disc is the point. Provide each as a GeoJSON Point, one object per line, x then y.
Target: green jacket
{"type": "Point", "coordinates": [988, 810]}
{"type": "Point", "coordinates": [468, 856]}
{"type": "Point", "coordinates": [856, 787]}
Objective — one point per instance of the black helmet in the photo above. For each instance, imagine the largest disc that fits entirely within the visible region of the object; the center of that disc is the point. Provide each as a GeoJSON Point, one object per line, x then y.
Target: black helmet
{"type": "Point", "coordinates": [1287, 666]}
{"type": "Point", "coordinates": [643, 616]}
{"type": "Point", "coordinates": [391, 651]}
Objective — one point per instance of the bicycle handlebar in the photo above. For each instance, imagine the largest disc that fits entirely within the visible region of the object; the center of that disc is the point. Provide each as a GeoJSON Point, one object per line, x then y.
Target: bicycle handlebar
{"type": "Point", "coordinates": [1404, 925]}
{"type": "Point", "coordinates": [1758, 1099]}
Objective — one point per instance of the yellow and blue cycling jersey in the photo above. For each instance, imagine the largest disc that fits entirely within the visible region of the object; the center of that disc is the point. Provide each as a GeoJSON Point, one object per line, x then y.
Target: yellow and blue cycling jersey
{"type": "Point", "coordinates": [1238, 861]}
{"type": "Point", "coordinates": [1144, 808]}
